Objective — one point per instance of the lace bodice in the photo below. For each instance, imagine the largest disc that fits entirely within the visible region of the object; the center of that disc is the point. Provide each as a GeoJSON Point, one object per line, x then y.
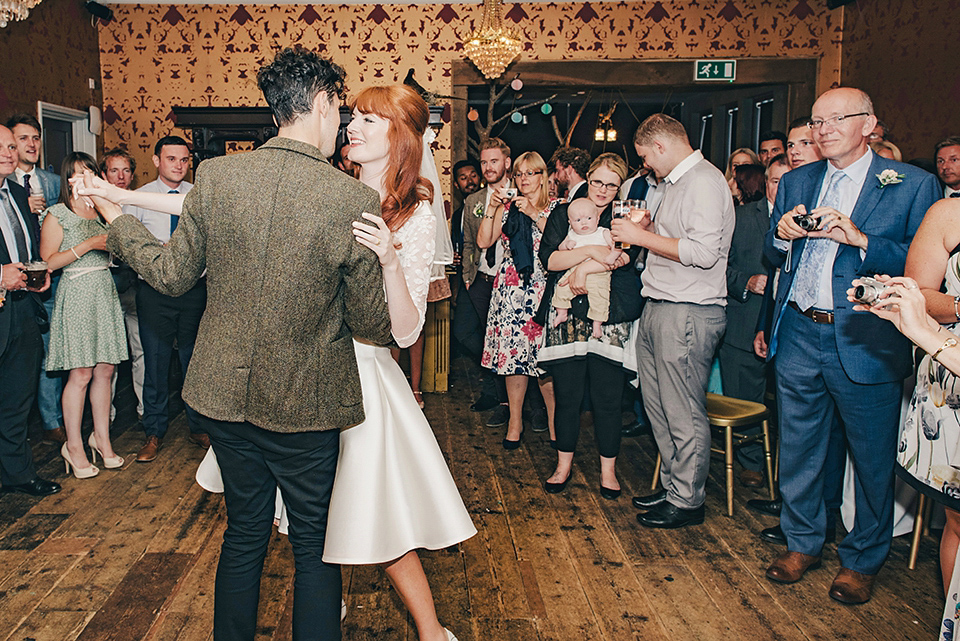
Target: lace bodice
{"type": "Point", "coordinates": [418, 240]}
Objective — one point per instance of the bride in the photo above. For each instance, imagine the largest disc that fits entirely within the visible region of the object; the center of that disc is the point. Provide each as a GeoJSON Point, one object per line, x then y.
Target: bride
{"type": "Point", "coordinates": [393, 492]}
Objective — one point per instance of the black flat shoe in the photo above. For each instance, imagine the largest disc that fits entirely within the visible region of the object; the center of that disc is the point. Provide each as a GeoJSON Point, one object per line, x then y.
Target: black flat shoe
{"type": "Point", "coordinates": [484, 403]}
{"type": "Point", "coordinates": [765, 506]}
{"type": "Point", "coordinates": [36, 487]}
{"type": "Point", "coordinates": [668, 516]}
{"type": "Point", "coordinates": [650, 501]}
{"type": "Point", "coordinates": [556, 488]}
{"type": "Point", "coordinates": [609, 494]}
{"type": "Point", "coordinates": [512, 445]}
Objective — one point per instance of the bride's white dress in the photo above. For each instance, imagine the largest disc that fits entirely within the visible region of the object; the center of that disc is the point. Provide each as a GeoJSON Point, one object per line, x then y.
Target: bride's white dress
{"type": "Point", "coordinates": [393, 491]}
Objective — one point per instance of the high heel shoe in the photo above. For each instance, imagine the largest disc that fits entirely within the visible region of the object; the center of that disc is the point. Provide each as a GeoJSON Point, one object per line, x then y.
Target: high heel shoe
{"type": "Point", "coordinates": [556, 488]}
{"type": "Point", "coordinates": [84, 473]}
{"type": "Point", "coordinates": [418, 397]}
{"type": "Point", "coordinates": [110, 463]}
{"type": "Point", "coordinates": [512, 445]}
{"type": "Point", "coordinates": [609, 493]}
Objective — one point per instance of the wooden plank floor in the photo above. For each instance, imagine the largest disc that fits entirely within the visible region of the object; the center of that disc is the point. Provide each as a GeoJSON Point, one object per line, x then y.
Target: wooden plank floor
{"type": "Point", "coordinates": [132, 555]}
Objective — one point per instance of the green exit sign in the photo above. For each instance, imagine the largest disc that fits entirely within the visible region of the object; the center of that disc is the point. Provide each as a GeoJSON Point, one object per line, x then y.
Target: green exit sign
{"type": "Point", "coordinates": [715, 70]}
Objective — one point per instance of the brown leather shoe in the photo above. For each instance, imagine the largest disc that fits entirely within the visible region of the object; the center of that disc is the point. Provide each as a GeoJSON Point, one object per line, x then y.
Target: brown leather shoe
{"type": "Point", "coordinates": [749, 478]}
{"type": "Point", "coordinates": [790, 567]}
{"type": "Point", "coordinates": [198, 438]}
{"type": "Point", "coordinates": [58, 435]}
{"type": "Point", "coordinates": [852, 587]}
{"type": "Point", "coordinates": [149, 450]}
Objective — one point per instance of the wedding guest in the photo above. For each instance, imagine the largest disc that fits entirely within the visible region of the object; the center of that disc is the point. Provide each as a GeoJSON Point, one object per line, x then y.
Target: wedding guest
{"type": "Point", "coordinates": [741, 156]}
{"type": "Point", "coordinates": [771, 145]}
{"type": "Point", "coordinates": [947, 157]}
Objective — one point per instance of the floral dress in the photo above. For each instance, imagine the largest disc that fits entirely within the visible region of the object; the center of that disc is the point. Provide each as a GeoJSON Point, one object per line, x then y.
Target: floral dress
{"type": "Point", "coordinates": [513, 338]}
{"type": "Point", "coordinates": [929, 451]}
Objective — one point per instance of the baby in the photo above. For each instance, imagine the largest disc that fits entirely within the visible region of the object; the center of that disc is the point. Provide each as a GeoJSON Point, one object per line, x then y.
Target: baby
{"type": "Point", "coordinates": [584, 231]}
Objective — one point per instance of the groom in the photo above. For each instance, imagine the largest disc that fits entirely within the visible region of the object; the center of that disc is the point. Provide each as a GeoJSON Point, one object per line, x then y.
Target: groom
{"type": "Point", "coordinates": [273, 374]}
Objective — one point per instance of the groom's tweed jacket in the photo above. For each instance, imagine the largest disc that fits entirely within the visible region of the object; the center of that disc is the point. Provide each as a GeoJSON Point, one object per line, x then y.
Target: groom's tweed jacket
{"type": "Point", "coordinates": [288, 287]}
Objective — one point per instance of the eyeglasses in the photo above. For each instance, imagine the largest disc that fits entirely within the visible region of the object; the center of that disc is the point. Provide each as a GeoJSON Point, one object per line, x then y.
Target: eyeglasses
{"type": "Point", "coordinates": [833, 121]}
{"type": "Point", "coordinates": [599, 184]}
{"type": "Point", "coordinates": [527, 173]}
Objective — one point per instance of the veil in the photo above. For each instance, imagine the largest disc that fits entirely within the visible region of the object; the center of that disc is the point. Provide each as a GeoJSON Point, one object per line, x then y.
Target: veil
{"type": "Point", "coordinates": [443, 255]}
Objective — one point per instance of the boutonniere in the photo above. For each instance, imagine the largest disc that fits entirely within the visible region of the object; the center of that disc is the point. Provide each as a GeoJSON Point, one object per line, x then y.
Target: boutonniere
{"type": "Point", "coordinates": [478, 211]}
{"type": "Point", "coordinates": [889, 177]}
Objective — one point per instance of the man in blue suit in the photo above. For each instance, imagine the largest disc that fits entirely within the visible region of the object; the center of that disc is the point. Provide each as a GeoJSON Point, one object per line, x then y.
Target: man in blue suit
{"type": "Point", "coordinates": [831, 359]}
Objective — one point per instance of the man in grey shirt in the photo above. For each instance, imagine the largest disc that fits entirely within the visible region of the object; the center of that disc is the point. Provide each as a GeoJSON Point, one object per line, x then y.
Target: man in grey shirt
{"type": "Point", "coordinates": [685, 285]}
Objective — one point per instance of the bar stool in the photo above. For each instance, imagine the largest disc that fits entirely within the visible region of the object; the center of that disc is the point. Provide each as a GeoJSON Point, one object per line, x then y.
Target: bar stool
{"type": "Point", "coordinates": [727, 414]}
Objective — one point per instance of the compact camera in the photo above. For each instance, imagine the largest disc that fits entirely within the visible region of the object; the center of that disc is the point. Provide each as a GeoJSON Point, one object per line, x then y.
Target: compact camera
{"type": "Point", "coordinates": [868, 291]}
{"type": "Point", "coordinates": [806, 222]}
{"type": "Point", "coordinates": [510, 193]}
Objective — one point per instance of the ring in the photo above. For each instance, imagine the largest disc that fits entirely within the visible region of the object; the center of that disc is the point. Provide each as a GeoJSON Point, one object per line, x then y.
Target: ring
{"type": "Point", "coordinates": [376, 241]}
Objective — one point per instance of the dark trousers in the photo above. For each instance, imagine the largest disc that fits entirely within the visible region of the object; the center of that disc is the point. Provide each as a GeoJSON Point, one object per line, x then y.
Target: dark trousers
{"type": "Point", "coordinates": [19, 371]}
{"type": "Point", "coordinates": [479, 295]}
{"type": "Point", "coordinates": [253, 463]}
{"type": "Point", "coordinates": [571, 381]}
{"type": "Point", "coordinates": [164, 319]}
{"type": "Point", "coordinates": [812, 389]}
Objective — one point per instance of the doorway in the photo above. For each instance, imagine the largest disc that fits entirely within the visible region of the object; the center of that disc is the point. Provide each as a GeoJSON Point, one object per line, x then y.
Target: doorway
{"type": "Point", "coordinates": [65, 130]}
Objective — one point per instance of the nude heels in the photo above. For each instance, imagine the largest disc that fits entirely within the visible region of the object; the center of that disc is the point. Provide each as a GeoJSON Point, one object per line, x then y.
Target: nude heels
{"type": "Point", "coordinates": [80, 473]}
{"type": "Point", "coordinates": [111, 463]}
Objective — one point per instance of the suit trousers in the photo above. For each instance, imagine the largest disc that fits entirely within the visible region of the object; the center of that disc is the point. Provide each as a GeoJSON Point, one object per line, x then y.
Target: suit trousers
{"type": "Point", "coordinates": [19, 370]}
{"type": "Point", "coordinates": [744, 375]}
{"type": "Point", "coordinates": [812, 389]}
{"type": "Point", "coordinates": [480, 293]}
{"type": "Point", "coordinates": [603, 380]}
{"type": "Point", "coordinates": [253, 463]}
{"type": "Point", "coordinates": [164, 319]}
{"type": "Point", "coordinates": [675, 348]}
{"type": "Point", "coordinates": [50, 386]}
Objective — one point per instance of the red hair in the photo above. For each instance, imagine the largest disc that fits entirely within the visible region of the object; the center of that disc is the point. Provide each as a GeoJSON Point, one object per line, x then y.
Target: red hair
{"type": "Point", "coordinates": [408, 115]}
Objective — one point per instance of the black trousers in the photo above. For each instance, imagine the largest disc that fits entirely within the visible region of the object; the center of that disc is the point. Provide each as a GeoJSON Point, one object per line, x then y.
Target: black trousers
{"type": "Point", "coordinates": [19, 372]}
{"type": "Point", "coordinates": [164, 320]}
{"type": "Point", "coordinates": [604, 380]}
{"type": "Point", "coordinates": [470, 326]}
{"type": "Point", "coordinates": [253, 463]}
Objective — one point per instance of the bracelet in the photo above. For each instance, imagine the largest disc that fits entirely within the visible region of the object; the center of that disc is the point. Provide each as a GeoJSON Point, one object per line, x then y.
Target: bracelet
{"type": "Point", "coordinates": [956, 307]}
{"type": "Point", "coordinates": [947, 344]}
{"type": "Point", "coordinates": [75, 253]}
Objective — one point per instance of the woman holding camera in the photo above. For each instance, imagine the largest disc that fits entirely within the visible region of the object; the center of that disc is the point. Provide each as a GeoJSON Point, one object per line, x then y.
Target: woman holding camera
{"type": "Point", "coordinates": [510, 347]}
{"type": "Point", "coordinates": [87, 335]}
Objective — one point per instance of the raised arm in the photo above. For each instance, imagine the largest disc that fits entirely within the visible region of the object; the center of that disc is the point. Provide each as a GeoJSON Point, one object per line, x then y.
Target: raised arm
{"type": "Point", "coordinates": [94, 186]}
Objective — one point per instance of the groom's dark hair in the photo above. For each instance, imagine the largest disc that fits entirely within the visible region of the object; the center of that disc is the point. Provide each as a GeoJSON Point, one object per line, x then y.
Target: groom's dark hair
{"type": "Point", "coordinates": [292, 81]}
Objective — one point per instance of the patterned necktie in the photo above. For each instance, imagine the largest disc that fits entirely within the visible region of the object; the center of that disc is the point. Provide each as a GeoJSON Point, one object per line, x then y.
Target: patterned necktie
{"type": "Point", "coordinates": [26, 183]}
{"type": "Point", "coordinates": [14, 220]}
{"type": "Point", "coordinates": [174, 218]}
{"type": "Point", "coordinates": [806, 284]}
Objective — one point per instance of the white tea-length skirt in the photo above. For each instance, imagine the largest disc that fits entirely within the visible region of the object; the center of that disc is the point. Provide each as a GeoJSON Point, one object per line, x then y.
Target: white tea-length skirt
{"type": "Point", "coordinates": [393, 491]}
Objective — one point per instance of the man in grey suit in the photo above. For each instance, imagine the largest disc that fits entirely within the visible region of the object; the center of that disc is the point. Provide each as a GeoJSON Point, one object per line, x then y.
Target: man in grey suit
{"type": "Point", "coordinates": [43, 190]}
{"type": "Point", "coordinates": [273, 374]}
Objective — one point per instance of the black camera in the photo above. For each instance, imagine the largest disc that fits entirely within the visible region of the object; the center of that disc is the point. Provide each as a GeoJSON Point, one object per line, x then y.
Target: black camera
{"type": "Point", "coordinates": [806, 222]}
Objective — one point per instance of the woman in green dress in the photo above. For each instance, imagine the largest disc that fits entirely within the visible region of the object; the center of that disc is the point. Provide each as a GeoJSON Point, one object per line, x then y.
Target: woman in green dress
{"type": "Point", "coordinates": [87, 335]}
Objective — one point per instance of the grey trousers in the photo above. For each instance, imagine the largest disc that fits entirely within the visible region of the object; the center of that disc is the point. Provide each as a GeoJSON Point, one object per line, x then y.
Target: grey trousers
{"type": "Point", "coordinates": [675, 348]}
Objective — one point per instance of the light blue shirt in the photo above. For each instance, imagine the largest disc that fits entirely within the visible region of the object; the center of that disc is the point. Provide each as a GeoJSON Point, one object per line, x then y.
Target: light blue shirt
{"type": "Point", "coordinates": [157, 223]}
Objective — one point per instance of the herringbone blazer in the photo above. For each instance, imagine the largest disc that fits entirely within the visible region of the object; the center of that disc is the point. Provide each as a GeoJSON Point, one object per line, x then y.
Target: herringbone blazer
{"type": "Point", "coordinates": [288, 287]}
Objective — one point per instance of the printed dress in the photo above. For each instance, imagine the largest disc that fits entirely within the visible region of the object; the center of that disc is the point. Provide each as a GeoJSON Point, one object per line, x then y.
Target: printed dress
{"type": "Point", "coordinates": [512, 342]}
{"type": "Point", "coordinates": [86, 326]}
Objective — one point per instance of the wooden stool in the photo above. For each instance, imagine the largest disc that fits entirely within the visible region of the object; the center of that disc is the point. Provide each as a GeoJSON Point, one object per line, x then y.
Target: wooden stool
{"type": "Point", "coordinates": [920, 529]}
{"type": "Point", "coordinates": [727, 413]}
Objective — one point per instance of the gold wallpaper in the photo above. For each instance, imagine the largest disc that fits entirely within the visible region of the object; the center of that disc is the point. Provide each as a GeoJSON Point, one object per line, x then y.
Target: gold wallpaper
{"type": "Point", "coordinates": [156, 56]}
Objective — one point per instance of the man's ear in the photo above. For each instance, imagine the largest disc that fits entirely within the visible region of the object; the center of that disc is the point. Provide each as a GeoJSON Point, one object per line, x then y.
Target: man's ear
{"type": "Point", "coordinates": [156, 162]}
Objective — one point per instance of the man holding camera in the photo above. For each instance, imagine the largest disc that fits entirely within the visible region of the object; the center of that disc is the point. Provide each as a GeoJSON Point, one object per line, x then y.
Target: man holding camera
{"type": "Point", "coordinates": [831, 359]}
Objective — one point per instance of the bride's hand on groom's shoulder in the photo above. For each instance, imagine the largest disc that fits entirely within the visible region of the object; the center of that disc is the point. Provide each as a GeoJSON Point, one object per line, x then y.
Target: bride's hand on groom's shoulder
{"type": "Point", "coordinates": [376, 236]}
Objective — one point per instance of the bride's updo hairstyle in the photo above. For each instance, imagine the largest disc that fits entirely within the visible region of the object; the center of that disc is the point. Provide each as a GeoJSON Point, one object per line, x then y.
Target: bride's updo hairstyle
{"type": "Point", "coordinates": [408, 115]}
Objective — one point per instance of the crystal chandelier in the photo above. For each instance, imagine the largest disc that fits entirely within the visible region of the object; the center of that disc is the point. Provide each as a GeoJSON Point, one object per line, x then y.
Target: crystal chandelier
{"type": "Point", "coordinates": [11, 10]}
{"type": "Point", "coordinates": [491, 47]}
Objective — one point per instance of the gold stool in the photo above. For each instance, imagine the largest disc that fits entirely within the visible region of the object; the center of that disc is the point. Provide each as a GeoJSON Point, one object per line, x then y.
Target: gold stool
{"type": "Point", "coordinates": [921, 528]}
{"type": "Point", "coordinates": [727, 413]}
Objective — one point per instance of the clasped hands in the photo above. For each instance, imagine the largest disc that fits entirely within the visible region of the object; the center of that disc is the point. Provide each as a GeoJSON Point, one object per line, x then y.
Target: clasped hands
{"type": "Point", "coordinates": [832, 225]}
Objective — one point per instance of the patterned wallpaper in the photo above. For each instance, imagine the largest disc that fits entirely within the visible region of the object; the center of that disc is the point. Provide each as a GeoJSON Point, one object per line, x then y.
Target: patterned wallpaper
{"type": "Point", "coordinates": [912, 78]}
{"type": "Point", "coordinates": [157, 56]}
{"type": "Point", "coordinates": [49, 56]}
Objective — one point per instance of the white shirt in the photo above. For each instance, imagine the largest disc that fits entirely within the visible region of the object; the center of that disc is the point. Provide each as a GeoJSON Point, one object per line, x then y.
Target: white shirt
{"type": "Point", "coordinates": [35, 186]}
{"type": "Point", "coordinates": [7, 229]}
{"type": "Point", "coordinates": [573, 190]}
{"type": "Point", "coordinates": [947, 191]}
{"type": "Point", "coordinates": [483, 268]}
{"type": "Point", "coordinates": [849, 193]}
{"type": "Point", "coordinates": [157, 223]}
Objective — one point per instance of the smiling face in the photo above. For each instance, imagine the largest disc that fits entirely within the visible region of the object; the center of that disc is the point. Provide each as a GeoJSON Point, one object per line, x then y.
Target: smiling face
{"type": "Point", "coordinates": [8, 152]}
{"type": "Point", "coordinates": [172, 164]}
{"type": "Point", "coordinates": [844, 142]}
{"type": "Point", "coordinates": [367, 134]}
{"type": "Point", "coordinates": [770, 149]}
{"type": "Point", "coordinates": [494, 165]}
{"type": "Point", "coordinates": [801, 148]}
{"type": "Point", "coordinates": [28, 144]}
{"type": "Point", "coordinates": [468, 180]}
{"type": "Point", "coordinates": [583, 216]}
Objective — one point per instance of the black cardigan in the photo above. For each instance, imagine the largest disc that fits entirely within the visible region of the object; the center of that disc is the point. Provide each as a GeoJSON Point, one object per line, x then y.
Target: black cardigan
{"type": "Point", "coordinates": [625, 302]}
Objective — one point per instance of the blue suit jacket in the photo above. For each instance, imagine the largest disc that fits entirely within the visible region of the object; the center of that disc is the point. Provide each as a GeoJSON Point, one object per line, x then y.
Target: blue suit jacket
{"type": "Point", "coordinates": [871, 349]}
